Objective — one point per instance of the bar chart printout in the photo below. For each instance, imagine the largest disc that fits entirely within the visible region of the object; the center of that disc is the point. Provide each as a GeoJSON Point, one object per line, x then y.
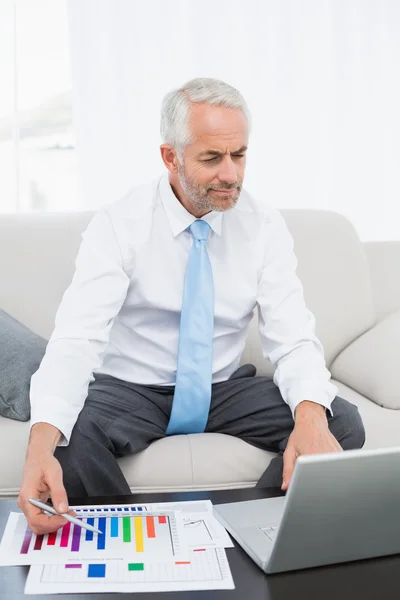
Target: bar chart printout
{"type": "Point", "coordinates": [124, 534]}
{"type": "Point", "coordinates": [205, 570]}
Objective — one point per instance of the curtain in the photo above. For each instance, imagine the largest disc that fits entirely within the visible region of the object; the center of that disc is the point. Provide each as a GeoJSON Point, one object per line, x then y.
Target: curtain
{"type": "Point", "coordinates": [321, 78]}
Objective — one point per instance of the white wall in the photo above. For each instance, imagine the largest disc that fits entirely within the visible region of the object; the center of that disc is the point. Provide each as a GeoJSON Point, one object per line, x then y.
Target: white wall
{"type": "Point", "coordinates": [321, 78]}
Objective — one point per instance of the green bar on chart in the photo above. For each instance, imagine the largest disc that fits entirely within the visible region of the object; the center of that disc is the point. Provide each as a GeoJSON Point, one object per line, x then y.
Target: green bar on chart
{"type": "Point", "coordinates": [135, 567]}
{"type": "Point", "coordinates": [126, 529]}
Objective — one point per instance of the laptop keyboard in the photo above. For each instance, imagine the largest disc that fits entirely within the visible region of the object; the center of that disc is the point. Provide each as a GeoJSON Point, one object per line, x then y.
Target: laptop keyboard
{"type": "Point", "coordinates": [270, 531]}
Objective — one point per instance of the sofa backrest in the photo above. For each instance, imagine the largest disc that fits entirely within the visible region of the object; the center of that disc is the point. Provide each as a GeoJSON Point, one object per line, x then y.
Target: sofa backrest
{"type": "Point", "coordinates": [37, 255]}
{"type": "Point", "coordinates": [37, 261]}
{"type": "Point", "coordinates": [333, 269]}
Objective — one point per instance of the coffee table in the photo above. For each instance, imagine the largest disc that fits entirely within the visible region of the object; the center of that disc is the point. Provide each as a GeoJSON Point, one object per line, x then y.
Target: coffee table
{"type": "Point", "coordinates": [363, 580]}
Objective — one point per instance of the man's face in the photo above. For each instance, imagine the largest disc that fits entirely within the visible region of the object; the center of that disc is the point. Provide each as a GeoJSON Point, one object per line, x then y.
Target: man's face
{"type": "Point", "coordinates": [212, 172]}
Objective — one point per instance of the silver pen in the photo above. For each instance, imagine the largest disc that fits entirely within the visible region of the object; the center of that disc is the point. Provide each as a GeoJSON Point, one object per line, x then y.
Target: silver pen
{"type": "Point", "coordinates": [69, 518]}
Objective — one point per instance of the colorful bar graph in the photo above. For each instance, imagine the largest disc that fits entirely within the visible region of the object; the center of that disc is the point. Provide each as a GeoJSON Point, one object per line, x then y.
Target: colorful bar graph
{"type": "Point", "coordinates": [97, 570]}
{"type": "Point", "coordinates": [114, 526]}
{"type": "Point", "coordinates": [101, 537]}
{"type": "Point", "coordinates": [51, 538]}
{"type": "Point", "coordinates": [135, 566]}
{"type": "Point", "coordinates": [65, 535]}
{"type": "Point", "coordinates": [126, 529]}
{"type": "Point", "coordinates": [89, 534]}
{"type": "Point", "coordinates": [151, 532]}
{"type": "Point", "coordinates": [38, 542]}
{"type": "Point", "coordinates": [76, 538]}
{"type": "Point", "coordinates": [26, 541]}
{"type": "Point", "coordinates": [138, 522]}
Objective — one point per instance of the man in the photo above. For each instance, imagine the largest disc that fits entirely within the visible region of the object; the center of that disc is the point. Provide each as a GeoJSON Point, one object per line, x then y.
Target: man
{"type": "Point", "coordinates": [149, 334]}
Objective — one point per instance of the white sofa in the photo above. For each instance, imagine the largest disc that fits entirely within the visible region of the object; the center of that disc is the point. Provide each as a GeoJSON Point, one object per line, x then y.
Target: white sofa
{"type": "Point", "coordinates": [352, 288]}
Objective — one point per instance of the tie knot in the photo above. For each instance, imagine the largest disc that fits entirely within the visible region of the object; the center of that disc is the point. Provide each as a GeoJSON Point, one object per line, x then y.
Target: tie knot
{"type": "Point", "coordinates": [200, 229]}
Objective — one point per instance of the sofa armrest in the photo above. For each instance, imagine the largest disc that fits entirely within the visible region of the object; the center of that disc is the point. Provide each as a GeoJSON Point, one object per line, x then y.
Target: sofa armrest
{"type": "Point", "coordinates": [384, 260]}
{"type": "Point", "coordinates": [371, 364]}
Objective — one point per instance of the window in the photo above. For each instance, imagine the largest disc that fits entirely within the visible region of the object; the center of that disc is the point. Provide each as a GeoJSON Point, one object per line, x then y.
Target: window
{"type": "Point", "coordinates": [37, 141]}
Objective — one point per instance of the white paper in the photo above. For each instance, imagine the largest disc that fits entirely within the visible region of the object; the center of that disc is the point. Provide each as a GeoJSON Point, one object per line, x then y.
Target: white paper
{"type": "Point", "coordinates": [202, 529]}
{"type": "Point", "coordinates": [185, 552]}
{"type": "Point", "coordinates": [207, 570]}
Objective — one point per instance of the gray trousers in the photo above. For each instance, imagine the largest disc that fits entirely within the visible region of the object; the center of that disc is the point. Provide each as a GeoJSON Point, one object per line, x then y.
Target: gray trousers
{"type": "Point", "coordinates": [120, 419]}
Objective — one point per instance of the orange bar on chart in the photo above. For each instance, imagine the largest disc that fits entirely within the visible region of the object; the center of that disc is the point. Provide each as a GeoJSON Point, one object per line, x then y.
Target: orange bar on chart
{"type": "Point", "coordinates": [151, 532]}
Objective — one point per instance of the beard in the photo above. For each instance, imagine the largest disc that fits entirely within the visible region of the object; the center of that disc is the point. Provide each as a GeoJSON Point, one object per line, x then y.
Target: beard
{"type": "Point", "coordinates": [200, 195]}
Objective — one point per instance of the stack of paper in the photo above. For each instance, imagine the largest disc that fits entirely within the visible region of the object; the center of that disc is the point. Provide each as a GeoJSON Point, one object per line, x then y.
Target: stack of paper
{"type": "Point", "coordinates": [148, 547]}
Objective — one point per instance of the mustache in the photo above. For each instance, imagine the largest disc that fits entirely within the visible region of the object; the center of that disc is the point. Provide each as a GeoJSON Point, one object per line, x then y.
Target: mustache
{"type": "Point", "coordinates": [236, 186]}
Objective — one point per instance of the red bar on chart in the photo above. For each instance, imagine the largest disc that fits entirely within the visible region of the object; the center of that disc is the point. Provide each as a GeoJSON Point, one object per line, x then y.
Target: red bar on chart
{"type": "Point", "coordinates": [65, 535]}
{"type": "Point", "coordinates": [151, 532]}
{"type": "Point", "coordinates": [38, 542]}
{"type": "Point", "coordinates": [51, 540]}
{"type": "Point", "coordinates": [72, 566]}
{"type": "Point", "coordinates": [162, 519]}
{"type": "Point", "coordinates": [26, 541]}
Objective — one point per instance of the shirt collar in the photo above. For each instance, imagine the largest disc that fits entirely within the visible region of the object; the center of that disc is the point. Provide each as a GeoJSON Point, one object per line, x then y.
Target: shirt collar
{"type": "Point", "coordinates": [179, 218]}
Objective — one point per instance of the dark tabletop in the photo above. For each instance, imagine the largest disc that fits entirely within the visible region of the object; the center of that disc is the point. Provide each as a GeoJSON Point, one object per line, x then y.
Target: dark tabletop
{"type": "Point", "coordinates": [377, 579]}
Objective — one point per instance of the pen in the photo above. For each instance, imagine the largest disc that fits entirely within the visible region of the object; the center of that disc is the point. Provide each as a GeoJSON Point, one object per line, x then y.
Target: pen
{"type": "Point", "coordinates": [69, 518]}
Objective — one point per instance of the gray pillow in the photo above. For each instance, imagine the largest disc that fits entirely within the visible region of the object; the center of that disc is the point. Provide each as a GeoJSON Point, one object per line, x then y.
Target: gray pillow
{"type": "Point", "coordinates": [21, 352]}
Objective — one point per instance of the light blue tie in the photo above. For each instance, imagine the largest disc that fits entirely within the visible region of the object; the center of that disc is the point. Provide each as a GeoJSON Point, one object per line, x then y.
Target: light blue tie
{"type": "Point", "coordinates": [192, 394]}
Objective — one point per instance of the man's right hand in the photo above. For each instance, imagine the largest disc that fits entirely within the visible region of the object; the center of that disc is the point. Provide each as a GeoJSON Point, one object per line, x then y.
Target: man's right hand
{"type": "Point", "coordinates": [43, 478]}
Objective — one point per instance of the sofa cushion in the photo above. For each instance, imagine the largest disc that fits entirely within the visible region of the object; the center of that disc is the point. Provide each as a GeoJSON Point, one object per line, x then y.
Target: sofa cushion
{"type": "Point", "coordinates": [333, 269]}
{"type": "Point", "coordinates": [21, 352]}
{"type": "Point", "coordinates": [195, 461]}
{"type": "Point", "coordinates": [201, 461]}
{"type": "Point", "coordinates": [370, 364]}
{"type": "Point", "coordinates": [382, 425]}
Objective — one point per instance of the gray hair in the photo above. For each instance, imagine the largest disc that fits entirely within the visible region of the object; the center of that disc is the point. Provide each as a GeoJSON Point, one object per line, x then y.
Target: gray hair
{"type": "Point", "coordinates": [176, 107]}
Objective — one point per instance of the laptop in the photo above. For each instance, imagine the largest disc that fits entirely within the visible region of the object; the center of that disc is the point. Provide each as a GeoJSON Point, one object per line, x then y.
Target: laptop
{"type": "Point", "coordinates": [339, 507]}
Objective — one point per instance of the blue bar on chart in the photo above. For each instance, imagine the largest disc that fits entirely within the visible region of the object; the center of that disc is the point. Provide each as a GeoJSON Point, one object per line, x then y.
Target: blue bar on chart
{"type": "Point", "coordinates": [89, 534]}
{"type": "Point", "coordinates": [101, 537]}
{"type": "Point", "coordinates": [114, 526]}
{"type": "Point", "coordinates": [97, 570]}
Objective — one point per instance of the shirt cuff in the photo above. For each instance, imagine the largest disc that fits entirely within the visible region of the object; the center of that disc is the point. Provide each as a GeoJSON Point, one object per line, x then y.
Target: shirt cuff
{"type": "Point", "coordinates": [50, 410]}
{"type": "Point", "coordinates": [312, 392]}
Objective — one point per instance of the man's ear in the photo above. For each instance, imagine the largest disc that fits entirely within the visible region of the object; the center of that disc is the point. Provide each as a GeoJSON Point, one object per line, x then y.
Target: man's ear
{"type": "Point", "coordinates": [169, 157]}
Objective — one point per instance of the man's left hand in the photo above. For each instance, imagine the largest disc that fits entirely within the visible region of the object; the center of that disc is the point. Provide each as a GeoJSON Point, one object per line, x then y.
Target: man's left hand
{"type": "Point", "coordinates": [310, 435]}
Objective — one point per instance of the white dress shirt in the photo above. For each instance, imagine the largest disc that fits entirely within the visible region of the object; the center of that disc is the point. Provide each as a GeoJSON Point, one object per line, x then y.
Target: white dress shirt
{"type": "Point", "coordinates": [121, 313]}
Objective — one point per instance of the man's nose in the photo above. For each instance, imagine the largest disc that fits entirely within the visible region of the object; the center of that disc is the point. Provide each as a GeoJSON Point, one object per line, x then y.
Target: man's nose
{"type": "Point", "coordinates": [227, 172]}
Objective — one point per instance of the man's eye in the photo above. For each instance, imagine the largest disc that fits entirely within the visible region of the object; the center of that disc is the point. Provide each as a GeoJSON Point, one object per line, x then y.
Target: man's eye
{"type": "Point", "coordinates": [217, 157]}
